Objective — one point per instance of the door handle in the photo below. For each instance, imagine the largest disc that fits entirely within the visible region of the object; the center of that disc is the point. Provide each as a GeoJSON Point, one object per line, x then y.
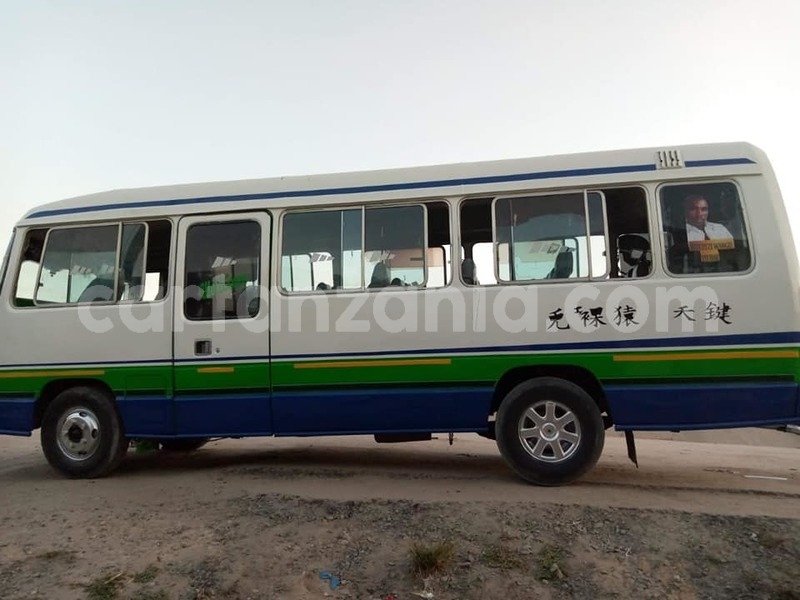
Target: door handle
{"type": "Point", "coordinates": [202, 347]}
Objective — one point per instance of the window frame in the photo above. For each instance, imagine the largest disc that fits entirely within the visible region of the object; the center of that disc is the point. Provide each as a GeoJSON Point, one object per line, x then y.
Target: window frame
{"type": "Point", "coordinates": [560, 192]}
{"type": "Point", "coordinates": [660, 224]}
{"type": "Point", "coordinates": [119, 224]}
{"type": "Point", "coordinates": [459, 227]}
{"type": "Point", "coordinates": [260, 268]}
{"type": "Point", "coordinates": [119, 261]}
{"type": "Point", "coordinates": [7, 260]}
{"type": "Point", "coordinates": [19, 261]}
{"type": "Point", "coordinates": [447, 272]}
{"type": "Point", "coordinates": [604, 211]}
{"type": "Point", "coordinates": [652, 228]}
{"type": "Point", "coordinates": [461, 275]}
{"type": "Point", "coordinates": [656, 244]}
{"type": "Point", "coordinates": [424, 283]}
{"type": "Point", "coordinates": [364, 207]}
{"type": "Point", "coordinates": [278, 262]}
{"type": "Point", "coordinates": [171, 256]}
{"type": "Point", "coordinates": [44, 253]}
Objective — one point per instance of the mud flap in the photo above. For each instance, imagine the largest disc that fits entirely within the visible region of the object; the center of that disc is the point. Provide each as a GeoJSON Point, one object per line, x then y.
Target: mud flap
{"type": "Point", "coordinates": [631, 448]}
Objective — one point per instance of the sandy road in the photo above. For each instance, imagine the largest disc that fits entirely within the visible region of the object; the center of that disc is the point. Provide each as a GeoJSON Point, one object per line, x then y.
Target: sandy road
{"type": "Point", "coordinates": [728, 479]}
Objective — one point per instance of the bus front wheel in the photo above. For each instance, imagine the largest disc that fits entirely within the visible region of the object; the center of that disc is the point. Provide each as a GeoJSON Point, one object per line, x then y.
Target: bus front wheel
{"type": "Point", "coordinates": [82, 434]}
{"type": "Point", "coordinates": [549, 430]}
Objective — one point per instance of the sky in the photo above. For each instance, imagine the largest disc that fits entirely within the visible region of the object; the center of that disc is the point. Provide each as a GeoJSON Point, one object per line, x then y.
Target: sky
{"type": "Point", "coordinates": [106, 95]}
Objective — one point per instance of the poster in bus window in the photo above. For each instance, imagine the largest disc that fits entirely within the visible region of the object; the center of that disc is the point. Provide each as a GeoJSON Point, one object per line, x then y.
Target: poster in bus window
{"type": "Point", "coordinates": [704, 228]}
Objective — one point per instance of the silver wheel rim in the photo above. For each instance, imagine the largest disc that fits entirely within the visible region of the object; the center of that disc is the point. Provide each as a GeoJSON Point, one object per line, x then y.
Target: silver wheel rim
{"type": "Point", "coordinates": [78, 434]}
{"type": "Point", "coordinates": [549, 431]}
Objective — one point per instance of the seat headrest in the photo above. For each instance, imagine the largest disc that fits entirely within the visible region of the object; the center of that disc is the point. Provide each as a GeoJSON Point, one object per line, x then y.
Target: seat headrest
{"type": "Point", "coordinates": [564, 264]}
{"type": "Point", "coordinates": [100, 290]}
{"type": "Point", "coordinates": [634, 255]}
{"type": "Point", "coordinates": [380, 276]}
{"type": "Point", "coordinates": [468, 271]}
{"type": "Point", "coordinates": [632, 241]}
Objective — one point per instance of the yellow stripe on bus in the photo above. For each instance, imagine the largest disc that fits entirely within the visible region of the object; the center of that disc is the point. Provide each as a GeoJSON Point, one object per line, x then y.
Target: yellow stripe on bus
{"type": "Point", "coordinates": [32, 374]}
{"type": "Point", "coordinates": [745, 354]}
{"type": "Point", "coordinates": [347, 364]}
{"type": "Point", "coordinates": [216, 370]}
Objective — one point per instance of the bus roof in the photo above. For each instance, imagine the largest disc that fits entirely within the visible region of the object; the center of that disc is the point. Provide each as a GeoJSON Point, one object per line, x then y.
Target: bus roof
{"type": "Point", "coordinates": [590, 168]}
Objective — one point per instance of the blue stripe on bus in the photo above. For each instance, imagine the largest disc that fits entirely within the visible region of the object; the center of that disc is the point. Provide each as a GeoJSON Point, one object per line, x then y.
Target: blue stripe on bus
{"type": "Point", "coordinates": [17, 415]}
{"type": "Point", "coordinates": [657, 407]}
{"type": "Point", "coordinates": [162, 361]}
{"type": "Point", "coordinates": [223, 414]}
{"type": "Point", "coordinates": [384, 409]}
{"type": "Point", "coordinates": [702, 406]}
{"type": "Point", "coordinates": [313, 412]}
{"type": "Point", "coordinates": [719, 162]}
{"type": "Point", "coordinates": [765, 339]}
{"type": "Point", "coordinates": [389, 187]}
{"type": "Point", "coordinates": [147, 415]}
{"type": "Point", "coordinates": [694, 341]}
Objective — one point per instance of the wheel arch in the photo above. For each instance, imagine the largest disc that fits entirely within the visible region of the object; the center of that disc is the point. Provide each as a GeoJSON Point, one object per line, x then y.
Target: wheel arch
{"type": "Point", "coordinates": [53, 388]}
{"type": "Point", "coordinates": [580, 376]}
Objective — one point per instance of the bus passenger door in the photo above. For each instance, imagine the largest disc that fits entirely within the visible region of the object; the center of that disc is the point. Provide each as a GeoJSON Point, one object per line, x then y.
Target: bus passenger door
{"type": "Point", "coordinates": [221, 349]}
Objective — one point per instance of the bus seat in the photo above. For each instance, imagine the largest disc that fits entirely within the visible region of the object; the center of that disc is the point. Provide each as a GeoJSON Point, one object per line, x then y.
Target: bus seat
{"type": "Point", "coordinates": [468, 270]}
{"type": "Point", "coordinates": [634, 255]}
{"type": "Point", "coordinates": [380, 276]}
{"type": "Point", "coordinates": [563, 266]}
{"type": "Point", "coordinates": [100, 290]}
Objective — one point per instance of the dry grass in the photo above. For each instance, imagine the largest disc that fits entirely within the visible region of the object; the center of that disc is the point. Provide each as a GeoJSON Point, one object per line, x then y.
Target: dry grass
{"type": "Point", "coordinates": [427, 559]}
{"type": "Point", "coordinates": [104, 588]}
{"type": "Point", "coordinates": [549, 563]}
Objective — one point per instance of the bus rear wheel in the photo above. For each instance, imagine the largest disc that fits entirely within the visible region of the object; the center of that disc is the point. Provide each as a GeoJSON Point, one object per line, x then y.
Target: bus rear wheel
{"type": "Point", "coordinates": [82, 434]}
{"type": "Point", "coordinates": [549, 430]}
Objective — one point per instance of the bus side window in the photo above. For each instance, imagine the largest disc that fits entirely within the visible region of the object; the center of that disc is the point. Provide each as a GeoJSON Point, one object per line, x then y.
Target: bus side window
{"type": "Point", "coordinates": [74, 260]}
{"type": "Point", "coordinates": [29, 267]}
{"type": "Point", "coordinates": [539, 236]}
{"type": "Point", "coordinates": [321, 250]}
{"type": "Point", "coordinates": [80, 264]}
{"type": "Point", "coordinates": [438, 261]}
{"type": "Point", "coordinates": [628, 232]}
{"type": "Point", "coordinates": [157, 260]}
{"type": "Point", "coordinates": [394, 246]}
{"type": "Point", "coordinates": [131, 262]}
{"type": "Point", "coordinates": [363, 248]}
{"type": "Point", "coordinates": [542, 237]}
{"type": "Point", "coordinates": [406, 264]}
{"type": "Point", "coordinates": [476, 262]}
{"type": "Point", "coordinates": [705, 225]}
{"type": "Point", "coordinates": [222, 266]}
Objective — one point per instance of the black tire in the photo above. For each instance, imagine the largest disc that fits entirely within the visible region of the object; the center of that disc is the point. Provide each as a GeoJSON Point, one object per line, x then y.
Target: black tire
{"type": "Point", "coordinates": [567, 441]}
{"type": "Point", "coordinates": [95, 443]}
{"type": "Point", "coordinates": [183, 444]}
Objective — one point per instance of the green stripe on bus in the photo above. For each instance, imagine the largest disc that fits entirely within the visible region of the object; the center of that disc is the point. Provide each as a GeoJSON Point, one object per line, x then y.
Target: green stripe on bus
{"type": "Point", "coordinates": [419, 369]}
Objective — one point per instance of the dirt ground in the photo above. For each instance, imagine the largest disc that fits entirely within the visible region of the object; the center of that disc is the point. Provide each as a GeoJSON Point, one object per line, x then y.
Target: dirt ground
{"type": "Point", "coordinates": [347, 518]}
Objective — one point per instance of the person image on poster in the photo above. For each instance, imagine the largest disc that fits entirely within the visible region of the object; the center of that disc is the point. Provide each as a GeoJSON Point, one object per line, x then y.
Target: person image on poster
{"type": "Point", "coordinates": [698, 227]}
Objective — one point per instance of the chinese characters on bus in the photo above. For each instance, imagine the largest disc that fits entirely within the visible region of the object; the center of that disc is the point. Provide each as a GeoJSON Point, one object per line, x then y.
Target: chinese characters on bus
{"type": "Point", "coordinates": [625, 316]}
